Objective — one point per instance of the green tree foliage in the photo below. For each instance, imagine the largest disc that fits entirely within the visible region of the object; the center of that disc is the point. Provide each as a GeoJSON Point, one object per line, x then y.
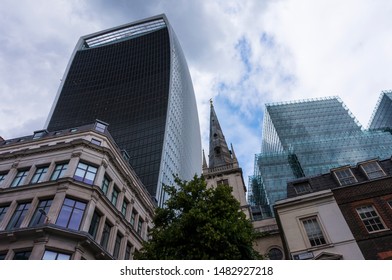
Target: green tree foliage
{"type": "Point", "coordinates": [199, 223]}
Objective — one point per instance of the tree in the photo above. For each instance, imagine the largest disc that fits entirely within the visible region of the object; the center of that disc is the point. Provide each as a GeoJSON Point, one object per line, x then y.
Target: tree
{"type": "Point", "coordinates": [199, 223]}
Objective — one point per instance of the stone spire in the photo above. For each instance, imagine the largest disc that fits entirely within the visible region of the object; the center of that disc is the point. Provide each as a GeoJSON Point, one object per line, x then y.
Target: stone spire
{"type": "Point", "coordinates": [220, 154]}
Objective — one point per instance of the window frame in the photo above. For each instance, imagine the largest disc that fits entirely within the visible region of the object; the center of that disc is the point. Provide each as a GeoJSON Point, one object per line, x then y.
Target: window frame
{"type": "Point", "coordinates": [74, 216]}
{"type": "Point", "coordinates": [3, 211]}
{"type": "Point", "coordinates": [83, 175]}
{"type": "Point", "coordinates": [3, 176]}
{"type": "Point", "coordinates": [59, 171]}
{"type": "Point", "coordinates": [302, 188]}
{"type": "Point", "coordinates": [57, 255]}
{"type": "Point", "coordinates": [107, 228]}
{"type": "Point", "coordinates": [345, 180]}
{"type": "Point", "coordinates": [106, 181]}
{"type": "Point", "coordinates": [124, 207]}
{"type": "Point", "coordinates": [19, 215]}
{"type": "Point", "coordinates": [316, 236]}
{"type": "Point", "coordinates": [39, 174]}
{"type": "Point", "coordinates": [376, 170]}
{"type": "Point", "coordinates": [94, 224]}
{"type": "Point", "coordinates": [117, 245]}
{"type": "Point", "coordinates": [139, 229]}
{"type": "Point", "coordinates": [133, 218]}
{"type": "Point", "coordinates": [128, 251]}
{"type": "Point", "coordinates": [20, 178]}
{"type": "Point", "coordinates": [114, 196]}
{"type": "Point", "coordinates": [365, 219]}
{"type": "Point", "coordinates": [39, 217]}
{"type": "Point", "coordinates": [28, 252]}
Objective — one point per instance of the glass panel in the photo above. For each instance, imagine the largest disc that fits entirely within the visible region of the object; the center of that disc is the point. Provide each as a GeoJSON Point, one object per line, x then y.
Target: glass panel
{"type": "Point", "coordinates": [3, 211]}
{"type": "Point", "coordinates": [49, 255]}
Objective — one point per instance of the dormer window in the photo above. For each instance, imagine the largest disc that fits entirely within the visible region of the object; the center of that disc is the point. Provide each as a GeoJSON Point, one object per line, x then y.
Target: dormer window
{"type": "Point", "coordinates": [100, 126]}
{"type": "Point", "coordinates": [39, 134]}
{"type": "Point", "coordinates": [345, 176]}
{"type": "Point", "coordinates": [302, 188]}
{"type": "Point", "coordinates": [372, 169]}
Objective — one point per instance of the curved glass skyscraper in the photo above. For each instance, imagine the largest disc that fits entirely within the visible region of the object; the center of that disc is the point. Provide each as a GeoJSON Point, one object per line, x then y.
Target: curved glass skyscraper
{"type": "Point", "coordinates": [135, 78]}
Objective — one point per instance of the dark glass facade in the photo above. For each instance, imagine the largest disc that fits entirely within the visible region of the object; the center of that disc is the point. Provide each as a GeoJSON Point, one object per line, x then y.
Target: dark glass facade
{"type": "Point", "coordinates": [135, 78]}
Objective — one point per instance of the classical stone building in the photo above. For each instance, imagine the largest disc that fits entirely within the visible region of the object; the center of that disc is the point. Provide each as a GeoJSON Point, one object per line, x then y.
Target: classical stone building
{"type": "Point", "coordinates": [70, 194]}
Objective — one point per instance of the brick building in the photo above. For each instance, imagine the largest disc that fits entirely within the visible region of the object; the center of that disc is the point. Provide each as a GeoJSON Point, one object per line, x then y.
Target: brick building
{"type": "Point", "coordinates": [312, 213]}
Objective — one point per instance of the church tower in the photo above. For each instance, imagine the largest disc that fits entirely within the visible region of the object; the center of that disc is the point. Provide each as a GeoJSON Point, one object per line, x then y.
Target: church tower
{"type": "Point", "coordinates": [223, 167]}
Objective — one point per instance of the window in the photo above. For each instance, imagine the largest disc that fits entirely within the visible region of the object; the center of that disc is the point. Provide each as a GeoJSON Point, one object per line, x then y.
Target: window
{"type": "Point", "coordinates": [20, 178]}
{"type": "Point", "coordinates": [117, 245]}
{"type": "Point", "coordinates": [313, 231]}
{"type": "Point", "coordinates": [128, 252]}
{"type": "Point", "coordinates": [19, 215]}
{"type": "Point", "coordinates": [302, 188]}
{"type": "Point", "coordinates": [2, 256]}
{"type": "Point", "coordinates": [105, 184]}
{"type": "Point", "coordinates": [114, 197]}
{"type": "Point", "coordinates": [3, 210]}
{"type": "Point", "coordinates": [39, 174]}
{"type": "Point", "coordinates": [275, 254]}
{"type": "Point", "coordinates": [85, 173]}
{"type": "Point", "coordinates": [105, 235]}
{"type": "Point", "coordinates": [345, 176]}
{"type": "Point", "coordinates": [99, 126]}
{"type": "Point", "coordinates": [223, 182]}
{"type": "Point", "coordinates": [39, 134]}
{"type": "Point", "coordinates": [124, 207]}
{"type": "Point", "coordinates": [71, 214]}
{"type": "Point", "coordinates": [2, 178]}
{"type": "Point", "coordinates": [40, 215]}
{"type": "Point", "coordinates": [133, 218]}
{"type": "Point", "coordinates": [370, 218]}
{"type": "Point", "coordinates": [96, 142]}
{"type": "Point", "coordinates": [139, 226]}
{"type": "Point", "coordinates": [52, 255]}
{"type": "Point", "coordinates": [24, 255]}
{"type": "Point", "coordinates": [59, 171]}
{"type": "Point", "coordinates": [94, 225]}
{"type": "Point", "coordinates": [372, 170]}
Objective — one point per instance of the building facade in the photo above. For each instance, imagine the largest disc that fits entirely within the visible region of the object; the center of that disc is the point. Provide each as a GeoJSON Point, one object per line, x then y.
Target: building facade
{"type": "Point", "coordinates": [305, 138]}
{"type": "Point", "coordinates": [135, 78]}
{"type": "Point", "coordinates": [382, 114]}
{"type": "Point", "coordinates": [70, 194]}
{"type": "Point", "coordinates": [343, 214]}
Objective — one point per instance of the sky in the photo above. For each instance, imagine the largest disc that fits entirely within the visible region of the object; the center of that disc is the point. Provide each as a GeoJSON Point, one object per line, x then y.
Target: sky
{"type": "Point", "coordinates": [242, 54]}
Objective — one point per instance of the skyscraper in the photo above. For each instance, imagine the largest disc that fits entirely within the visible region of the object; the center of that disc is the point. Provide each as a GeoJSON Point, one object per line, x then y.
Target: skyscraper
{"type": "Point", "coordinates": [305, 138]}
{"type": "Point", "coordinates": [135, 78]}
{"type": "Point", "coordinates": [382, 114]}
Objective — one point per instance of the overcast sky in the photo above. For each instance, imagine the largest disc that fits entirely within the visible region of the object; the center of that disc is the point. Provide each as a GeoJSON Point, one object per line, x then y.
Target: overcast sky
{"type": "Point", "coordinates": [242, 54]}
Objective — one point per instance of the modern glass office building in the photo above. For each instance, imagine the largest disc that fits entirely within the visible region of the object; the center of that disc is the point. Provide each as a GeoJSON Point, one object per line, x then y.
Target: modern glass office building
{"type": "Point", "coordinates": [135, 78]}
{"type": "Point", "coordinates": [306, 138]}
{"type": "Point", "coordinates": [382, 114]}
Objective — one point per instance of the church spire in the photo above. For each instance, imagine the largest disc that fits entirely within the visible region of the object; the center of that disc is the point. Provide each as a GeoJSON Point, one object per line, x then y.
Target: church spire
{"type": "Point", "coordinates": [219, 152]}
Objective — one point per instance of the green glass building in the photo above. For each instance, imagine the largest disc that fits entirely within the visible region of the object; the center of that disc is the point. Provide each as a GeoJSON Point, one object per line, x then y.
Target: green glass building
{"type": "Point", "coordinates": [307, 138]}
{"type": "Point", "coordinates": [382, 115]}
